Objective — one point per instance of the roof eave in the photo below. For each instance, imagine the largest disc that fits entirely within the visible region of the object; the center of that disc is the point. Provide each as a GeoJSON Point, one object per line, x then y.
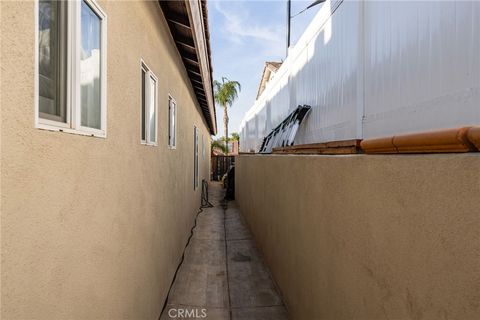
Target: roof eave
{"type": "Point", "coordinates": [188, 24]}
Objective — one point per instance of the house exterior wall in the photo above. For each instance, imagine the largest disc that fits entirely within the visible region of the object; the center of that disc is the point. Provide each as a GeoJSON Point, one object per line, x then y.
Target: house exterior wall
{"type": "Point", "coordinates": [93, 228]}
{"type": "Point", "coordinates": [367, 237]}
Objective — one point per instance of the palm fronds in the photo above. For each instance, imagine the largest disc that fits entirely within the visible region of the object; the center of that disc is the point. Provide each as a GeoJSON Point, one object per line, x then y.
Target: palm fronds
{"type": "Point", "coordinates": [226, 92]}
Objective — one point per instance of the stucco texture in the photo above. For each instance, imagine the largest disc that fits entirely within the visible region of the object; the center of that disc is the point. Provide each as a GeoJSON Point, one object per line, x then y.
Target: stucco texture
{"type": "Point", "coordinates": [368, 237]}
{"type": "Point", "coordinates": [93, 228]}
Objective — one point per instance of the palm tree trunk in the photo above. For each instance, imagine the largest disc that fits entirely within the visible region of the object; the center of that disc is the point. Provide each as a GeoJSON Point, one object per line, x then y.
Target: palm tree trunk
{"type": "Point", "coordinates": [225, 123]}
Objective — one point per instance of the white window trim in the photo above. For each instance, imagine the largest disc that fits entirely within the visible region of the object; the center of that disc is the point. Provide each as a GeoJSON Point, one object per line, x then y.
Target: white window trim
{"type": "Point", "coordinates": [149, 74]}
{"type": "Point", "coordinates": [73, 105]}
{"type": "Point", "coordinates": [171, 99]}
{"type": "Point", "coordinates": [143, 67]}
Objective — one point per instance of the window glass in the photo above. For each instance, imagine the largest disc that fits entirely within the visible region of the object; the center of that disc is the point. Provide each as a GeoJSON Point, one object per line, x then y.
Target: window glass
{"type": "Point", "coordinates": [52, 59]}
{"type": "Point", "coordinates": [70, 84]}
{"type": "Point", "coordinates": [172, 110]}
{"type": "Point", "coordinates": [149, 106]}
{"type": "Point", "coordinates": [195, 160]}
{"type": "Point", "coordinates": [90, 68]}
{"type": "Point", "coordinates": [152, 117]}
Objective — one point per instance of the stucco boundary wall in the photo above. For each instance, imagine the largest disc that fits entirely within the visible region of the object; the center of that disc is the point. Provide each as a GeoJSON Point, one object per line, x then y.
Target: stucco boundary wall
{"type": "Point", "coordinates": [367, 236]}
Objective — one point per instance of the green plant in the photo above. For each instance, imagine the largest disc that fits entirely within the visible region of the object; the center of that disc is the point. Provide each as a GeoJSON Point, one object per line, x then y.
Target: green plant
{"type": "Point", "coordinates": [218, 144]}
{"type": "Point", "coordinates": [235, 137]}
{"type": "Point", "coordinates": [226, 92]}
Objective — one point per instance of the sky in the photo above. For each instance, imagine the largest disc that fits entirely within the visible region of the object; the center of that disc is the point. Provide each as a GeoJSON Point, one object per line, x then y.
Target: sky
{"type": "Point", "coordinates": [244, 34]}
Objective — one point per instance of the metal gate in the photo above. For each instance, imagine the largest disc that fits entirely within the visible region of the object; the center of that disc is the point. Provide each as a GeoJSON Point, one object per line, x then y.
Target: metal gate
{"type": "Point", "coordinates": [220, 166]}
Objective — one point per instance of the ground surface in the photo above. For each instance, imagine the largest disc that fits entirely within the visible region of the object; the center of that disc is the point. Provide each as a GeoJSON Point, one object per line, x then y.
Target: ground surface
{"type": "Point", "coordinates": [223, 275]}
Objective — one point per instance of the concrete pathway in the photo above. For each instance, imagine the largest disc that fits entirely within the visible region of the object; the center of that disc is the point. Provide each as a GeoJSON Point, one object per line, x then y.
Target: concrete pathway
{"type": "Point", "coordinates": [223, 275]}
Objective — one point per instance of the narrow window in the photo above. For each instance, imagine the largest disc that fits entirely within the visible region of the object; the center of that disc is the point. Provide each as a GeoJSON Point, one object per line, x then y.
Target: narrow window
{"type": "Point", "coordinates": [149, 107]}
{"type": "Point", "coordinates": [71, 67]}
{"type": "Point", "coordinates": [144, 103]}
{"type": "Point", "coordinates": [90, 68]}
{"type": "Point", "coordinates": [52, 58]}
{"type": "Point", "coordinates": [172, 118]}
{"type": "Point", "coordinates": [195, 158]}
{"type": "Point", "coordinates": [203, 146]}
{"type": "Point", "coordinates": [152, 111]}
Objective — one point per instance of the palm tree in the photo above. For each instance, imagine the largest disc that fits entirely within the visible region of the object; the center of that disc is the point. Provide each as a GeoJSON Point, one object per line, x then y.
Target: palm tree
{"type": "Point", "coordinates": [217, 144]}
{"type": "Point", "coordinates": [235, 136]}
{"type": "Point", "coordinates": [225, 94]}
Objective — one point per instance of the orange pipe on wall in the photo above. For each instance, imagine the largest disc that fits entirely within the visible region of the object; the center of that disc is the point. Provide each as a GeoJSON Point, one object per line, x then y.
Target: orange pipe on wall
{"type": "Point", "coordinates": [378, 145]}
{"type": "Point", "coordinates": [439, 141]}
{"type": "Point", "coordinates": [473, 136]}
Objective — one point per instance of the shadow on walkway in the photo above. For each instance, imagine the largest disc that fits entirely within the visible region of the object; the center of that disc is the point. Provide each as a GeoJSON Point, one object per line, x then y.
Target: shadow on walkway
{"type": "Point", "coordinates": [223, 275]}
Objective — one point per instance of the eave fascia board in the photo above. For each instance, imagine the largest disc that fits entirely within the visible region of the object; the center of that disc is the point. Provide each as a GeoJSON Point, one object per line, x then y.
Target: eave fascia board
{"type": "Point", "coordinates": [195, 15]}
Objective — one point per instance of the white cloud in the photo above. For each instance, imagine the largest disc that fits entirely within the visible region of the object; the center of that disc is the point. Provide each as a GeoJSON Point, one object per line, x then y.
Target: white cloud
{"type": "Point", "coordinates": [239, 27]}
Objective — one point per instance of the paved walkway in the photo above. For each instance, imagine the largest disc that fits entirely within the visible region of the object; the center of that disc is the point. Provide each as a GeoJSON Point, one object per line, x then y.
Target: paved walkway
{"type": "Point", "coordinates": [223, 275]}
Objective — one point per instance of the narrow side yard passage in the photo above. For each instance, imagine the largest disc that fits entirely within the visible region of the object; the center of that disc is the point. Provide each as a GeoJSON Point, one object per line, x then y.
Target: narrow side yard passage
{"type": "Point", "coordinates": [223, 275]}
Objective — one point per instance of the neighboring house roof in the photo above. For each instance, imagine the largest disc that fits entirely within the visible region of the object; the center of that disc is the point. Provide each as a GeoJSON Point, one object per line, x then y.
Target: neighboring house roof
{"type": "Point", "coordinates": [188, 23]}
{"type": "Point", "coordinates": [268, 71]}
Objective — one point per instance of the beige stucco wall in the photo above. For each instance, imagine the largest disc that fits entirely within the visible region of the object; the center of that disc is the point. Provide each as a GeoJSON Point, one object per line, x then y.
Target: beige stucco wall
{"type": "Point", "coordinates": [368, 237]}
{"type": "Point", "coordinates": [93, 228]}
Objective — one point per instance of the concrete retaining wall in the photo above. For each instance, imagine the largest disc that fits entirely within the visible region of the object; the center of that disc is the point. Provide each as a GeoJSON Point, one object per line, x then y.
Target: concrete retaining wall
{"type": "Point", "coordinates": [368, 237]}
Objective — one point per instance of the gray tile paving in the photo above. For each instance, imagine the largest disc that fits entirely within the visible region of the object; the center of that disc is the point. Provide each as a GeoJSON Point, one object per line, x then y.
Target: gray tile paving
{"type": "Point", "coordinates": [200, 285]}
{"type": "Point", "coordinates": [210, 224]}
{"type": "Point", "coordinates": [236, 225]}
{"type": "Point", "coordinates": [223, 275]}
{"type": "Point", "coordinates": [172, 312]}
{"type": "Point", "coordinates": [260, 313]}
{"type": "Point", "coordinates": [249, 279]}
{"type": "Point", "coordinates": [208, 252]}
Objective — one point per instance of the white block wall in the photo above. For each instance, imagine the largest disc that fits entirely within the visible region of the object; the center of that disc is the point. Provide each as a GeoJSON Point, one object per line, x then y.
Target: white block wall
{"type": "Point", "coordinates": [375, 68]}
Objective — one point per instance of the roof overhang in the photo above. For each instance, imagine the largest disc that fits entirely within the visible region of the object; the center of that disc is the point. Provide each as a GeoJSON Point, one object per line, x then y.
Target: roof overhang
{"type": "Point", "coordinates": [188, 23]}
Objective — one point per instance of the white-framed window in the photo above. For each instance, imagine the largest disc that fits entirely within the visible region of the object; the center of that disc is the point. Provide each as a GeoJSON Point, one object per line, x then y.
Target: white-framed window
{"type": "Point", "coordinates": [195, 157]}
{"type": "Point", "coordinates": [70, 68]}
{"type": "Point", "coordinates": [149, 106]}
{"type": "Point", "coordinates": [203, 146]}
{"type": "Point", "coordinates": [172, 122]}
